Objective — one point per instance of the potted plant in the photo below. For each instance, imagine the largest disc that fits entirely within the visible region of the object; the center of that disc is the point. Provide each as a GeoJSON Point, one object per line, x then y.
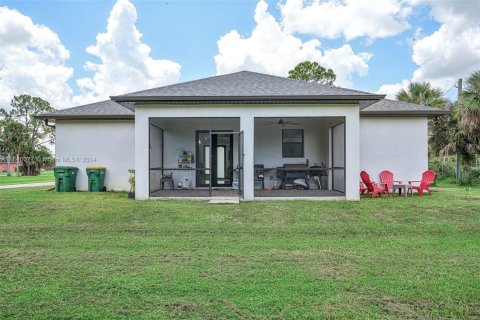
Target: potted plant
{"type": "Point", "coordinates": [131, 180]}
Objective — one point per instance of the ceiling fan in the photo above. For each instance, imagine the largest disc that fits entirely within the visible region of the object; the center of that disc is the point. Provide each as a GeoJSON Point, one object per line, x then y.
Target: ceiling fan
{"type": "Point", "coordinates": [283, 123]}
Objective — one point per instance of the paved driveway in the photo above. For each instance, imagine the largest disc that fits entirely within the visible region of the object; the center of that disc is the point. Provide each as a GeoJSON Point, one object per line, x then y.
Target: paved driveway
{"type": "Point", "coordinates": [26, 185]}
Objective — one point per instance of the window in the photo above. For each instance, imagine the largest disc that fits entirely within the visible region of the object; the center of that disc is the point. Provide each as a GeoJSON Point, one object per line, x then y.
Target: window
{"type": "Point", "coordinates": [292, 143]}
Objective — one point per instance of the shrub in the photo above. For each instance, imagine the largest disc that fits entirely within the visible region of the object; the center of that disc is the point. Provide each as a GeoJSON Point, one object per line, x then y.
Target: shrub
{"type": "Point", "coordinates": [445, 169]}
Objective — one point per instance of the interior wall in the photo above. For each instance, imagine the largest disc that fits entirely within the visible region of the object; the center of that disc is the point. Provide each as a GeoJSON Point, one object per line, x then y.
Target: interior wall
{"type": "Point", "coordinates": [181, 133]}
{"type": "Point", "coordinates": [338, 156]}
{"type": "Point", "coordinates": [268, 142]}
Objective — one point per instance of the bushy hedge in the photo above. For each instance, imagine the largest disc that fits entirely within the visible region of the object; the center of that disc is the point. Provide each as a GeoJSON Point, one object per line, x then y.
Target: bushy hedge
{"type": "Point", "coordinates": [445, 169]}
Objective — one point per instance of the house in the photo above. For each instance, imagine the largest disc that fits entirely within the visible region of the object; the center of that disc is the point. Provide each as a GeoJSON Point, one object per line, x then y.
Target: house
{"type": "Point", "coordinates": [4, 164]}
{"type": "Point", "coordinates": [244, 134]}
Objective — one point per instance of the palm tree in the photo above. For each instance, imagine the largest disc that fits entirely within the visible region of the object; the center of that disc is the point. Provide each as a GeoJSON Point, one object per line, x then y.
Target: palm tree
{"type": "Point", "coordinates": [424, 94]}
{"type": "Point", "coordinates": [468, 110]}
{"type": "Point", "coordinates": [460, 142]}
{"type": "Point", "coordinates": [467, 115]}
{"type": "Point", "coordinates": [460, 132]}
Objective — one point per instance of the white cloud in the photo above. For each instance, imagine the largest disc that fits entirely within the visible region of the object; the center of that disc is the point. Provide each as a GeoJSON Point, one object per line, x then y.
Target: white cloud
{"type": "Point", "coordinates": [345, 62]}
{"type": "Point", "coordinates": [32, 61]}
{"type": "Point", "coordinates": [273, 50]}
{"type": "Point", "coordinates": [450, 52]}
{"type": "Point", "coordinates": [346, 18]}
{"type": "Point", "coordinates": [126, 64]}
{"type": "Point", "coordinates": [392, 89]}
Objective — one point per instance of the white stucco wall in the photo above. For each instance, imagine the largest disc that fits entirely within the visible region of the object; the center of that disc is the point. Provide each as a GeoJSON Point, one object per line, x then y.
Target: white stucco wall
{"type": "Point", "coordinates": [398, 144]}
{"type": "Point", "coordinates": [108, 143]}
{"type": "Point", "coordinates": [247, 115]}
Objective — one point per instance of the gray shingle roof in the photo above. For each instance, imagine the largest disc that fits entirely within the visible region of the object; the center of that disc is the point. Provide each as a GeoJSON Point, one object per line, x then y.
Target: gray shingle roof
{"type": "Point", "coordinates": [102, 109]}
{"type": "Point", "coordinates": [244, 84]}
{"type": "Point", "coordinates": [392, 107]}
{"type": "Point", "coordinates": [113, 110]}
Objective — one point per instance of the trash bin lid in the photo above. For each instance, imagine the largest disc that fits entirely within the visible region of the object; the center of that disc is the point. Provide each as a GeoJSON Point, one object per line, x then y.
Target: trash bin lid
{"type": "Point", "coordinates": [96, 168]}
{"type": "Point", "coordinates": [65, 168]}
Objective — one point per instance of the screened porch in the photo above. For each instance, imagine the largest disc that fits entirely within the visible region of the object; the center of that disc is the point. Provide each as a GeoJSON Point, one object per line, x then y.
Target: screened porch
{"type": "Point", "coordinates": [195, 157]}
{"type": "Point", "coordinates": [299, 157]}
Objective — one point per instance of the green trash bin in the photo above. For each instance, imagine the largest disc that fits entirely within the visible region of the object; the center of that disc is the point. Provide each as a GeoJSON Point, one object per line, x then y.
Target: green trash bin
{"type": "Point", "coordinates": [65, 178]}
{"type": "Point", "coordinates": [96, 179]}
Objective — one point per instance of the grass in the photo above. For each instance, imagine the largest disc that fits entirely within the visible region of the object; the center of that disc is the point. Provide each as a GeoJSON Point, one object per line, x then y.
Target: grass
{"type": "Point", "coordinates": [85, 256]}
{"type": "Point", "coordinates": [46, 176]}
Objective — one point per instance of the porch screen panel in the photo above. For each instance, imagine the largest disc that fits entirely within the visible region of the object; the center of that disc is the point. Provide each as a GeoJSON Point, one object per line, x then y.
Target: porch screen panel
{"type": "Point", "coordinates": [338, 157]}
{"type": "Point", "coordinates": [241, 156]}
{"type": "Point", "coordinates": [156, 156]}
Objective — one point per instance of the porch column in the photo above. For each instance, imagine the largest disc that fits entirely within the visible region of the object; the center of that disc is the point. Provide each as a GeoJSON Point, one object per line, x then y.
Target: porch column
{"type": "Point", "coordinates": [142, 170]}
{"type": "Point", "coordinates": [247, 125]}
{"type": "Point", "coordinates": [352, 155]}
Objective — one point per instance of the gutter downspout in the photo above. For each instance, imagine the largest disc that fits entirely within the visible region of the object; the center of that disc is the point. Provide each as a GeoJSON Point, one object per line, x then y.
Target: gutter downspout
{"type": "Point", "coordinates": [49, 125]}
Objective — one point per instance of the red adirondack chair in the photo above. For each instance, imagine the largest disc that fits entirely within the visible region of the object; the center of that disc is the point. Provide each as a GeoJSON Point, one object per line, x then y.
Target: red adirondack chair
{"type": "Point", "coordinates": [374, 188]}
{"type": "Point", "coordinates": [363, 188]}
{"type": "Point", "coordinates": [428, 177]}
{"type": "Point", "coordinates": [386, 177]}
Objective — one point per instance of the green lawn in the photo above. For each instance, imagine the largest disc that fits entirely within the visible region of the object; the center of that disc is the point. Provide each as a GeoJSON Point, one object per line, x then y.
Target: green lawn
{"type": "Point", "coordinates": [85, 256]}
{"type": "Point", "coordinates": [46, 176]}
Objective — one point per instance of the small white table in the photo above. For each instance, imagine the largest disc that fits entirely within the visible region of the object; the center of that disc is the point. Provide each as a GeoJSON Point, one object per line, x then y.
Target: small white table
{"type": "Point", "coordinates": [400, 186]}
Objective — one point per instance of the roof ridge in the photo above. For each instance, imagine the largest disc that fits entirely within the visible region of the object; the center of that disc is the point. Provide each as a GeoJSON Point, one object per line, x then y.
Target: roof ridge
{"type": "Point", "coordinates": [396, 107]}
{"type": "Point", "coordinates": [84, 105]}
{"type": "Point", "coordinates": [105, 108]}
{"type": "Point", "coordinates": [312, 85]}
{"type": "Point", "coordinates": [303, 81]}
{"type": "Point", "coordinates": [130, 106]}
{"type": "Point", "coordinates": [409, 103]}
{"type": "Point", "coordinates": [178, 83]}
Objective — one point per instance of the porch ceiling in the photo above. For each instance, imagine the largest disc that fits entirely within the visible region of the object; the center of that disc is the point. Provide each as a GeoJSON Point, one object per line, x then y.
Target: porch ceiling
{"type": "Point", "coordinates": [320, 121]}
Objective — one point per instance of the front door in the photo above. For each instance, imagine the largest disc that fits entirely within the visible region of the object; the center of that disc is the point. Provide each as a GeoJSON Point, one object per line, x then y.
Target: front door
{"type": "Point", "coordinates": [215, 157]}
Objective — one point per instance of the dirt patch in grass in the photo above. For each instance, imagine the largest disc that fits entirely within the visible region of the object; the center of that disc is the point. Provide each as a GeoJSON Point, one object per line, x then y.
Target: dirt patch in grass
{"type": "Point", "coordinates": [238, 314]}
{"type": "Point", "coordinates": [180, 307]}
{"type": "Point", "coordinates": [472, 310]}
{"type": "Point", "coordinates": [327, 263]}
{"type": "Point", "coordinates": [398, 308]}
{"type": "Point", "coordinates": [16, 259]}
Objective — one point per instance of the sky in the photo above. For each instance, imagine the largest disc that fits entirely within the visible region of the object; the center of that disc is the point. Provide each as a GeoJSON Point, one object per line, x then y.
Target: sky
{"type": "Point", "coordinates": [75, 52]}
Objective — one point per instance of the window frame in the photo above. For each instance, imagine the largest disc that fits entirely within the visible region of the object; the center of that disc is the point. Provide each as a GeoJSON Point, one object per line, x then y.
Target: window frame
{"type": "Point", "coordinates": [293, 143]}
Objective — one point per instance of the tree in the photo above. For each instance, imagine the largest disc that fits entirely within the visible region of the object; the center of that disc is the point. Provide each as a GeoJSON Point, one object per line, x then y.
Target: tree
{"type": "Point", "coordinates": [465, 139]}
{"type": "Point", "coordinates": [424, 94]}
{"type": "Point", "coordinates": [38, 134]}
{"type": "Point", "coordinates": [441, 128]}
{"type": "Point", "coordinates": [468, 111]}
{"type": "Point", "coordinates": [458, 132]}
{"type": "Point", "coordinates": [313, 72]}
{"type": "Point", "coordinates": [460, 142]}
{"type": "Point", "coordinates": [13, 136]}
